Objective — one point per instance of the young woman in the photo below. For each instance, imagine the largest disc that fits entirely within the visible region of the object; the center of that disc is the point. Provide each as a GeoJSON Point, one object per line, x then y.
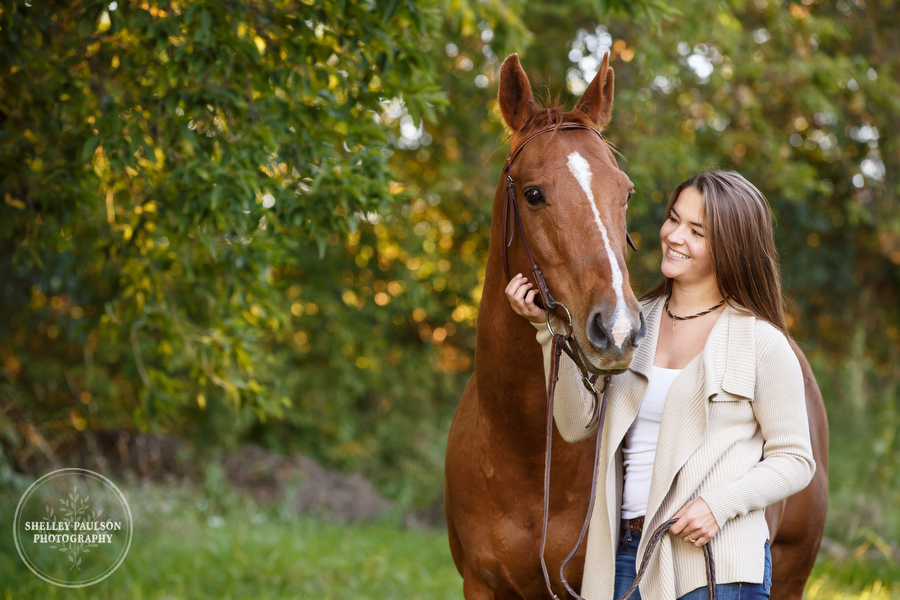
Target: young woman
{"type": "Point", "coordinates": [709, 423]}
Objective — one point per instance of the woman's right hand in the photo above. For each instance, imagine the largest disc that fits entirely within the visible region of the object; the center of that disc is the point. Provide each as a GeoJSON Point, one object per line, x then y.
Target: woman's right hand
{"type": "Point", "coordinates": [520, 292]}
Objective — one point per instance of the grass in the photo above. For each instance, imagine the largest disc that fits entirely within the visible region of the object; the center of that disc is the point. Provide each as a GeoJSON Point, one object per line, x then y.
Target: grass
{"type": "Point", "coordinates": [854, 578]}
{"type": "Point", "coordinates": [210, 543]}
{"type": "Point", "coordinates": [188, 546]}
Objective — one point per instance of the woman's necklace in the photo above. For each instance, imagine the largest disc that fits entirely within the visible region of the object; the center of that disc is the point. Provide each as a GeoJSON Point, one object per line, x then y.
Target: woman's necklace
{"type": "Point", "coordinates": [699, 314]}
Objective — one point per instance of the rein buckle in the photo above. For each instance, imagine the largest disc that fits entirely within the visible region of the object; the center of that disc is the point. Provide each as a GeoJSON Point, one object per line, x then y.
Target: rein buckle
{"type": "Point", "coordinates": [588, 383]}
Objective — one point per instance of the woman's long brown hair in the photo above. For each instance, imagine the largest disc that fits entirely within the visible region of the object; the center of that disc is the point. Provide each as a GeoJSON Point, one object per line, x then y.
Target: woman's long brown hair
{"type": "Point", "coordinates": [739, 236]}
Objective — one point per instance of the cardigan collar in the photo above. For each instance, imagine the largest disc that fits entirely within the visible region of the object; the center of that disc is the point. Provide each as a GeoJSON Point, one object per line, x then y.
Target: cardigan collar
{"type": "Point", "coordinates": [738, 375]}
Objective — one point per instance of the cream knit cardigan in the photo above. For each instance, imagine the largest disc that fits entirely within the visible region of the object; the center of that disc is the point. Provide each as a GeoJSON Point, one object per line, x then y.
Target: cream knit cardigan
{"type": "Point", "coordinates": [734, 431]}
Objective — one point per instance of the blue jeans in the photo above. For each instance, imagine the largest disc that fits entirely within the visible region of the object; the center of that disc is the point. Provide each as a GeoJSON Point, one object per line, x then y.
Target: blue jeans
{"type": "Point", "coordinates": [626, 571]}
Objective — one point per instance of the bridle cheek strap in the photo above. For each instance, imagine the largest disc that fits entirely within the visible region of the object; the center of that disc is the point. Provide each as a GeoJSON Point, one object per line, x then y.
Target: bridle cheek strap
{"type": "Point", "coordinates": [545, 301]}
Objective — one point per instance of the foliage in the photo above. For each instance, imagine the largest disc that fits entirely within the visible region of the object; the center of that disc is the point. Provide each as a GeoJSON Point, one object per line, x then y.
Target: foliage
{"type": "Point", "coordinates": [162, 163]}
{"type": "Point", "coordinates": [285, 207]}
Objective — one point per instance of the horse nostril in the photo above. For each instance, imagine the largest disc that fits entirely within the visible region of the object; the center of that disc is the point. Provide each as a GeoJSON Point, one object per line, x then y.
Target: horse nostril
{"type": "Point", "coordinates": [641, 331]}
{"type": "Point", "coordinates": [597, 333]}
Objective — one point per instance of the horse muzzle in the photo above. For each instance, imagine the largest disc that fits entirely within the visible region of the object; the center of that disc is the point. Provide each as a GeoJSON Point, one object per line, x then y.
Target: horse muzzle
{"type": "Point", "coordinates": [612, 341]}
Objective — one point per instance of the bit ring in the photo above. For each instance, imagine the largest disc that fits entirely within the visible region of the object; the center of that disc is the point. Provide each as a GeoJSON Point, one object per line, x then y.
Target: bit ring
{"type": "Point", "coordinates": [553, 304]}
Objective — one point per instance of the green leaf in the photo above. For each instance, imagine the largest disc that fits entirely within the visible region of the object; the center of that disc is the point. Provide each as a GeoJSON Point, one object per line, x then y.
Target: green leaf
{"type": "Point", "coordinates": [90, 146]}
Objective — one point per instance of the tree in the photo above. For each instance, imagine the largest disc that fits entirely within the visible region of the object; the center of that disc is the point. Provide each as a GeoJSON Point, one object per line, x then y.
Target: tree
{"type": "Point", "coordinates": [162, 163]}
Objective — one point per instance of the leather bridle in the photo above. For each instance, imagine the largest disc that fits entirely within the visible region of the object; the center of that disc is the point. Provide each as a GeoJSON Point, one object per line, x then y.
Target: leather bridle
{"type": "Point", "coordinates": [565, 342]}
{"type": "Point", "coordinates": [511, 206]}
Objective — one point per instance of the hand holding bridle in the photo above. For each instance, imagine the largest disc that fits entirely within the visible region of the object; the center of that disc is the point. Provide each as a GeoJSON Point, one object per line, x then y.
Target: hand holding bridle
{"type": "Point", "coordinates": [520, 292]}
{"type": "Point", "coordinates": [696, 524]}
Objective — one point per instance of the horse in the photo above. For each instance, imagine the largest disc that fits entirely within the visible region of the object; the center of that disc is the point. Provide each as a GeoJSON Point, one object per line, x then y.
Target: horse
{"type": "Point", "coordinates": [573, 198]}
{"type": "Point", "coordinates": [494, 461]}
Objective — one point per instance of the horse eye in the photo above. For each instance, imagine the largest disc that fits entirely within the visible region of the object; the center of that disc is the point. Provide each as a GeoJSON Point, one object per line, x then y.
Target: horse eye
{"type": "Point", "coordinates": [533, 196]}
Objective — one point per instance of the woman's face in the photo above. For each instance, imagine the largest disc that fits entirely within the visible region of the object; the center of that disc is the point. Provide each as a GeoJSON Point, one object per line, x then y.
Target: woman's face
{"type": "Point", "coordinates": [686, 256]}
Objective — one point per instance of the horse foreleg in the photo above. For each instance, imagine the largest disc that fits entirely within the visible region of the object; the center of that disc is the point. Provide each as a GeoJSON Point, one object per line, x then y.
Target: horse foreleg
{"type": "Point", "coordinates": [474, 588]}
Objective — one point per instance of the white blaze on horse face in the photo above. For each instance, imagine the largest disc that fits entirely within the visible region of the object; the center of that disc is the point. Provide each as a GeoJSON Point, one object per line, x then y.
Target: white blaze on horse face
{"type": "Point", "coordinates": [580, 168]}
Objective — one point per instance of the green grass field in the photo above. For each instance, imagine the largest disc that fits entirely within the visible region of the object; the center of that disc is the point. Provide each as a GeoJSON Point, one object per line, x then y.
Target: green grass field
{"type": "Point", "coordinates": [196, 545]}
{"type": "Point", "coordinates": [188, 546]}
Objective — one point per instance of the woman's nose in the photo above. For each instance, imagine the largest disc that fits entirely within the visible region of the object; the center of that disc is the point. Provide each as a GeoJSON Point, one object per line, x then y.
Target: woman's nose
{"type": "Point", "coordinates": [675, 236]}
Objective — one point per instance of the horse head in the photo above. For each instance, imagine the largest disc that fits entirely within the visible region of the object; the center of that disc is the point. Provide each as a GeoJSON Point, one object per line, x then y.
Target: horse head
{"type": "Point", "coordinates": [571, 198]}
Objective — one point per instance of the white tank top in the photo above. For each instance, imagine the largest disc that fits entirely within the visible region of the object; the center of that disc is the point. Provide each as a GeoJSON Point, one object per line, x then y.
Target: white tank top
{"type": "Point", "coordinates": [640, 443]}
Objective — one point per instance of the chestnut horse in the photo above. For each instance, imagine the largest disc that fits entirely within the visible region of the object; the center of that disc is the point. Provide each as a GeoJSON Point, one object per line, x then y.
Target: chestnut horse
{"type": "Point", "coordinates": [494, 464]}
{"type": "Point", "coordinates": [495, 450]}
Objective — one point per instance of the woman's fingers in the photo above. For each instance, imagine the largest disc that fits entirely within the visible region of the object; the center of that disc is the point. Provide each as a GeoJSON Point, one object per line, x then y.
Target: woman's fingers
{"type": "Point", "coordinates": [513, 289]}
{"type": "Point", "coordinates": [513, 285]}
{"type": "Point", "coordinates": [520, 287]}
{"type": "Point", "coordinates": [696, 524]}
{"type": "Point", "coordinates": [696, 538]}
{"type": "Point", "coordinates": [520, 293]}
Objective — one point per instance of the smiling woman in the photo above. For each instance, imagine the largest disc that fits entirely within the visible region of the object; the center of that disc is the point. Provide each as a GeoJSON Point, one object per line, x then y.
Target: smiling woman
{"type": "Point", "coordinates": [708, 426]}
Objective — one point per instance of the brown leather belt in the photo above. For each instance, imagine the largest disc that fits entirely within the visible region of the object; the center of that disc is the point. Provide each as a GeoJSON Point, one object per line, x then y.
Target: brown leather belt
{"type": "Point", "coordinates": [636, 525]}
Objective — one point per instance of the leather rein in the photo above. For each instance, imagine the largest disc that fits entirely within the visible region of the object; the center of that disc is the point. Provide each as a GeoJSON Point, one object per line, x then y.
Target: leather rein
{"type": "Point", "coordinates": [565, 342]}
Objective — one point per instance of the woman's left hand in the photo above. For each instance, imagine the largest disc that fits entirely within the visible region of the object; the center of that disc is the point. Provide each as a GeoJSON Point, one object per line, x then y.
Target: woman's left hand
{"type": "Point", "coordinates": [696, 524]}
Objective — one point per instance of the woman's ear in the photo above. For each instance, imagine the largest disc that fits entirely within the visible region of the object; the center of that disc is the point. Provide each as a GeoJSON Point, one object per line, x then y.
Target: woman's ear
{"type": "Point", "coordinates": [597, 100]}
{"type": "Point", "coordinates": [516, 101]}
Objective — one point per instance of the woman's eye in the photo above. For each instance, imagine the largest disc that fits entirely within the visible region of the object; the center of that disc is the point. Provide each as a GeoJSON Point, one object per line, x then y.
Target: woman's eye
{"type": "Point", "coordinates": [533, 196]}
{"type": "Point", "coordinates": [671, 218]}
{"type": "Point", "coordinates": [697, 233]}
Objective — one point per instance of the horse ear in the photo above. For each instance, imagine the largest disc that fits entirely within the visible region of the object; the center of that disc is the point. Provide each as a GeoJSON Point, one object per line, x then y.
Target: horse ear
{"type": "Point", "coordinates": [597, 100]}
{"type": "Point", "coordinates": [516, 101]}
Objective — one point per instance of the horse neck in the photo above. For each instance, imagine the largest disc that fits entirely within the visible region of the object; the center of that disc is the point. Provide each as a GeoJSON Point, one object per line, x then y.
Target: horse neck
{"type": "Point", "coordinates": [508, 360]}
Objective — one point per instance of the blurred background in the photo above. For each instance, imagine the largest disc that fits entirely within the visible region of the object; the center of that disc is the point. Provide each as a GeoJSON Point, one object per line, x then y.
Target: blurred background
{"type": "Point", "coordinates": [242, 246]}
